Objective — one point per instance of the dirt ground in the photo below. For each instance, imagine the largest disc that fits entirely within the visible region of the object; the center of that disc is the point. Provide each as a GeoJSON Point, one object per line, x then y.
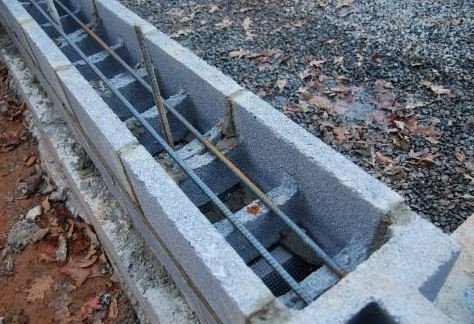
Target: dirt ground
{"type": "Point", "coordinates": [52, 266]}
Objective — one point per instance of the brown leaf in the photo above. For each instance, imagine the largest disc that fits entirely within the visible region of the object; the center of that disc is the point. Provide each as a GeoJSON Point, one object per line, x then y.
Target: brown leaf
{"type": "Point", "coordinates": [341, 89]}
{"type": "Point", "coordinates": [79, 275]}
{"type": "Point", "coordinates": [246, 23]}
{"type": "Point", "coordinates": [338, 60]}
{"type": "Point", "coordinates": [316, 63]}
{"type": "Point", "coordinates": [90, 306]}
{"type": "Point", "coordinates": [459, 154]}
{"type": "Point", "coordinates": [382, 158]}
{"type": "Point", "coordinates": [439, 90]}
{"type": "Point", "coordinates": [429, 131]}
{"type": "Point", "coordinates": [113, 309]}
{"type": "Point", "coordinates": [46, 205]}
{"type": "Point", "coordinates": [30, 161]}
{"type": "Point", "coordinates": [344, 3]}
{"type": "Point", "coordinates": [29, 185]}
{"type": "Point", "coordinates": [281, 84]}
{"type": "Point", "coordinates": [213, 8]}
{"type": "Point", "coordinates": [84, 263]}
{"type": "Point", "coordinates": [226, 22]}
{"type": "Point", "coordinates": [9, 141]}
{"type": "Point", "coordinates": [43, 257]}
{"type": "Point", "coordinates": [39, 288]}
{"type": "Point", "coordinates": [340, 134]}
{"type": "Point", "coordinates": [321, 102]}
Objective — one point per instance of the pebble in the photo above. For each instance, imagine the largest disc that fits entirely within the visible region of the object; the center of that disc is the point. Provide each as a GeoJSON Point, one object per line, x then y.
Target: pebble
{"type": "Point", "coordinates": [403, 42]}
{"type": "Point", "coordinates": [33, 213]}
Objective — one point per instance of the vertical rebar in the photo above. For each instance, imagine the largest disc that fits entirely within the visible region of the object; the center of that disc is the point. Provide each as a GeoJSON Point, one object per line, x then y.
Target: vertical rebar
{"type": "Point", "coordinates": [248, 182]}
{"type": "Point", "coordinates": [154, 85]}
{"type": "Point", "coordinates": [54, 13]}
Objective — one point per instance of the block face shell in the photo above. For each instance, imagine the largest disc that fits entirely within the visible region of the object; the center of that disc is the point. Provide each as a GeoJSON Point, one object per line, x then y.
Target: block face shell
{"type": "Point", "coordinates": [335, 200]}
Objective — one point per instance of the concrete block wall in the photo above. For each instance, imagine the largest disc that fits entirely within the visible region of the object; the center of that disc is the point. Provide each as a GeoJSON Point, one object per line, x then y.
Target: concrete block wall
{"type": "Point", "coordinates": [339, 202]}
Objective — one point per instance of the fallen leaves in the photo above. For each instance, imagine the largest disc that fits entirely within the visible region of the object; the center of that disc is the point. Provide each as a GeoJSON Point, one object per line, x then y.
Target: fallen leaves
{"type": "Point", "coordinates": [29, 184]}
{"type": "Point", "coordinates": [225, 23]}
{"type": "Point", "coordinates": [9, 141]}
{"type": "Point", "coordinates": [344, 3]}
{"type": "Point", "coordinates": [246, 25]}
{"type": "Point", "coordinates": [91, 305]}
{"type": "Point", "coordinates": [316, 63]}
{"type": "Point", "coordinates": [39, 288]}
{"type": "Point", "coordinates": [78, 275]}
{"type": "Point", "coordinates": [113, 309]}
{"type": "Point", "coordinates": [422, 157]}
{"type": "Point", "coordinates": [437, 89]}
{"type": "Point", "coordinates": [281, 84]}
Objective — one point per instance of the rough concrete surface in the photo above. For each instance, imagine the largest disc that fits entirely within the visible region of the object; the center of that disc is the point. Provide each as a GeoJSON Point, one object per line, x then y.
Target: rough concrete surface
{"type": "Point", "coordinates": [156, 298]}
{"type": "Point", "coordinates": [456, 298]}
{"type": "Point", "coordinates": [208, 272]}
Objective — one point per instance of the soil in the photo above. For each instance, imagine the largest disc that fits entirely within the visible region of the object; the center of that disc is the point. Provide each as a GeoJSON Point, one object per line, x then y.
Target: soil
{"type": "Point", "coordinates": [45, 257]}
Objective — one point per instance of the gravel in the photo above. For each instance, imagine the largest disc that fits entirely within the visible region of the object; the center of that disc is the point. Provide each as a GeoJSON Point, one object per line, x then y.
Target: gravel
{"type": "Point", "coordinates": [386, 83]}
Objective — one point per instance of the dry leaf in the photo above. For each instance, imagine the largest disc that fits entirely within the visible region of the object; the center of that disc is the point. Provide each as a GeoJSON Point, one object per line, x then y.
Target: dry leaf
{"type": "Point", "coordinates": [237, 53]}
{"type": "Point", "coordinates": [439, 90]}
{"type": "Point", "coordinates": [341, 89]}
{"type": "Point", "coordinates": [182, 32]}
{"type": "Point", "coordinates": [340, 134]}
{"type": "Point", "coordinates": [246, 23]}
{"type": "Point", "coordinates": [30, 161]}
{"type": "Point", "coordinates": [45, 204]}
{"type": "Point", "coordinates": [316, 63]}
{"type": "Point", "coordinates": [113, 309]}
{"type": "Point", "coordinates": [344, 3]}
{"type": "Point", "coordinates": [460, 156]}
{"type": "Point", "coordinates": [321, 102]}
{"type": "Point", "coordinates": [226, 22]}
{"type": "Point", "coordinates": [38, 289]}
{"type": "Point", "coordinates": [9, 141]}
{"type": "Point", "coordinates": [382, 158]}
{"type": "Point", "coordinates": [213, 8]}
{"type": "Point", "coordinates": [84, 263]}
{"type": "Point", "coordinates": [281, 84]}
{"type": "Point", "coordinates": [79, 275]}
{"type": "Point", "coordinates": [89, 307]}
{"type": "Point", "coordinates": [338, 60]}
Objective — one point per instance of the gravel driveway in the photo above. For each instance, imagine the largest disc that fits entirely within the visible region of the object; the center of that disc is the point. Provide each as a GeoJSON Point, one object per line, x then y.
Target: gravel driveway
{"type": "Point", "coordinates": [386, 83]}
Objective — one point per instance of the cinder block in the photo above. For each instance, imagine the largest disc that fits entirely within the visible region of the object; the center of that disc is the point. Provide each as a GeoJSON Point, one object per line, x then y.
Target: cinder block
{"type": "Point", "coordinates": [119, 23]}
{"type": "Point", "coordinates": [345, 203]}
{"type": "Point", "coordinates": [370, 297]}
{"type": "Point", "coordinates": [105, 136]}
{"type": "Point", "coordinates": [49, 58]}
{"type": "Point", "coordinates": [418, 254]}
{"type": "Point", "coordinates": [212, 266]}
{"type": "Point", "coordinates": [179, 68]}
{"type": "Point", "coordinates": [337, 203]}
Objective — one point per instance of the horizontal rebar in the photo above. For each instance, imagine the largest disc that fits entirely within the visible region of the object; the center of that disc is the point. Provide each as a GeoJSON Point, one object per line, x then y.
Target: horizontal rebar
{"type": "Point", "coordinates": [294, 285]}
{"type": "Point", "coordinates": [317, 250]}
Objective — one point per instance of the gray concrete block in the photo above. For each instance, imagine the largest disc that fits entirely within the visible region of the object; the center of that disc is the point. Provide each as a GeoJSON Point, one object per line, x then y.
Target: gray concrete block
{"type": "Point", "coordinates": [366, 298]}
{"type": "Point", "coordinates": [417, 254]}
{"type": "Point", "coordinates": [343, 203]}
{"type": "Point", "coordinates": [179, 68]}
{"type": "Point", "coordinates": [105, 136]}
{"type": "Point", "coordinates": [49, 58]}
{"type": "Point", "coordinates": [119, 23]}
{"type": "Point", "coordinates": [144, 277]}
{"type": "Point", "coordinates": [229, 286]}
